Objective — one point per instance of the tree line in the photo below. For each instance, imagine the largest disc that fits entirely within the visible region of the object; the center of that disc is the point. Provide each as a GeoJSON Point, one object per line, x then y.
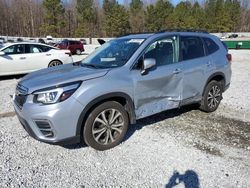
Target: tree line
{"type": "Point", "coordinates": [108, 18]}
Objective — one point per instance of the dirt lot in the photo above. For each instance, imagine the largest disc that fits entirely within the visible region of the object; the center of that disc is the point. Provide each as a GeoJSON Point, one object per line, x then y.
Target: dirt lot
{"type": "Point", "coordinates": [183, 147]}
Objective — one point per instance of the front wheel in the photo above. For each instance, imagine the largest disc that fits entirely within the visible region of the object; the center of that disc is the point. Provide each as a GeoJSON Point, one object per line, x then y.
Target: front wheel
{"type": "Point", "coordinates": [106, 126]}
{"type": "Point", "coordinates": [211, 97]}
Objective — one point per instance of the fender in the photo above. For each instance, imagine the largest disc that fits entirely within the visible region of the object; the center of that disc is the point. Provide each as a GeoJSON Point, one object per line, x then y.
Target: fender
{"type": "Point", "coordinates": [129, 107]}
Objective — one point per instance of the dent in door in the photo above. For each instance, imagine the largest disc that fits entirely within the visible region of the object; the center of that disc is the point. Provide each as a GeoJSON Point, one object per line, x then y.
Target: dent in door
{"type": "Point", "coordinates": [161, 94]}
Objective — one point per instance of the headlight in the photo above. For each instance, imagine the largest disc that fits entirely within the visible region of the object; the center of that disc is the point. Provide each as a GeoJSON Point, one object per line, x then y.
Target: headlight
{"type": "Point", "coordinates": [56, 94]}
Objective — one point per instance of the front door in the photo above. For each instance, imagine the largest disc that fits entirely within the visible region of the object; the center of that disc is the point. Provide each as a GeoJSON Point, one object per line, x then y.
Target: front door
{"type": "Point", "coordinates": [160, 89]}
{"type": "Point", "coordinates": [14, 60]}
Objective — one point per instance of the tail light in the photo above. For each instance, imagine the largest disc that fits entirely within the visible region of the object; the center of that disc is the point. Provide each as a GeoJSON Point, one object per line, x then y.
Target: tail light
{"type": "Point", "coordinates": [229, 57]}
{"type": "Point", "coordinates": [68, 53]}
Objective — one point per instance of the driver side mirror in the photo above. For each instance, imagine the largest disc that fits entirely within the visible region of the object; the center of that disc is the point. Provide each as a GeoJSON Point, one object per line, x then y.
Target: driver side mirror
{"type": "Point", "coordinates": [147, 64]}
{"type": "Point", "coordinates": [2, 53]}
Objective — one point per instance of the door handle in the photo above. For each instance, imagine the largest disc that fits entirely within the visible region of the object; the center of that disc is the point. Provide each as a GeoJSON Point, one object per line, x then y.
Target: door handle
{"type": "Point", "coordinates": [48, 54]}
{"type": "Point", "coordinates": [177, 71]}
{"type": "Point", "coordinates": [22, 57]}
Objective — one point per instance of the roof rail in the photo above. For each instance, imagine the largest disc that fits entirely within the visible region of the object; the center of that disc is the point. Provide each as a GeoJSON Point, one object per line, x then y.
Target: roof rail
{"type": "Point", "coordinates": [167, 30]}
{"type": "Point", "coordinates": [183, 30]}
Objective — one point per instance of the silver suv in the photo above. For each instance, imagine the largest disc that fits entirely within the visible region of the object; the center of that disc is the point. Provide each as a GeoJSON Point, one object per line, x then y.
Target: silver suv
{"type": "Point", "coordinates": [125, 79]}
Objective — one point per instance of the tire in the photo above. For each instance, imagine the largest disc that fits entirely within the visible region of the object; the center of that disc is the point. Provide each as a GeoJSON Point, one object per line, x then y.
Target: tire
{"type": "Point", "coordinates": [99, 134]}
{"type": "Point", "coordinates": [78, 52]}
{"type": "Point", "coordinates": [54, 63]}
{"type": "Point", "coordinates": [211, 97]}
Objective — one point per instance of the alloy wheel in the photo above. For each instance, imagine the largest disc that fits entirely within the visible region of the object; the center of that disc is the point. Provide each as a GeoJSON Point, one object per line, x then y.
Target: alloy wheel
{"type": "Point", "coordinates": [214, 97]}
{"type": "Point", "coordinates": [108, 126]}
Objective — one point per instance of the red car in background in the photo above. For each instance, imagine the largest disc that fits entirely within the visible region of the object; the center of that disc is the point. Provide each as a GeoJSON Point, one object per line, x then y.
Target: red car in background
{"type": "Point", "coordinates": [75, 47]}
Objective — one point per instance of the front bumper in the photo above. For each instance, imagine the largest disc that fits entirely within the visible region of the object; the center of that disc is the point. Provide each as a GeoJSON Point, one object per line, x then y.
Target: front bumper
{"type": "Point", "coordinates": [60, 119]}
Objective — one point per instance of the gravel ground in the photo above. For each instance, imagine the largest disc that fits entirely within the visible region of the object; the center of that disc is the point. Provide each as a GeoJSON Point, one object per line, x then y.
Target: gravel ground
{"type": "Point", "coordinates": [183, 147]}
{"type": "Point", "coordinates": [236, 98]}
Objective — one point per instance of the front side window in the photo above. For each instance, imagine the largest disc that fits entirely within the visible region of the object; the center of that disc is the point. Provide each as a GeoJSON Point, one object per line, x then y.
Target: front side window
{"type": "Point", "coordinates": [15, 49]}
{"type": "Point", "coordinates": [162, 51]}
{"type": "Point", "coordinates": [191, 47]}
{"type": "Point", "coordinates": [114, 53]}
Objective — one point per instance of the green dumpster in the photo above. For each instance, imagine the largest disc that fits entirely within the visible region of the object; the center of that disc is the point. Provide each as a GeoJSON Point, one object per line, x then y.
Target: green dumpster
{"type": "Point", "coordinates": [240, 44]}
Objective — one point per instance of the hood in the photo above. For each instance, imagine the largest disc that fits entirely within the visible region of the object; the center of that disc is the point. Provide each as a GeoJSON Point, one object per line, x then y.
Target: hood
{"type": "Point", "coordinates": [59, 75]}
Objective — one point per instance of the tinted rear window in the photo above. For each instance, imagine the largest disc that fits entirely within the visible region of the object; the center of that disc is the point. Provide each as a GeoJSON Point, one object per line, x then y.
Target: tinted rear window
{"type": "Point", "coordinates": [210, 45]}
{"type": "Point", "coordinates": [191, 47]}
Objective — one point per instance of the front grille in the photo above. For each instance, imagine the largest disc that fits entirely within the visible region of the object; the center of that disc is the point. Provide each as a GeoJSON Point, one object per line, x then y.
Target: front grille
{"type": "Point", "coordinates": [45, 128]}
{"type": "Point", "coordinates": [20, 95]}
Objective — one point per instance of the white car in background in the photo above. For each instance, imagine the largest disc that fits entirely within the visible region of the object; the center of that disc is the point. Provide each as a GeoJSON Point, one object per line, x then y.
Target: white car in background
{"type": "Point", "coordinates": [25, 57]}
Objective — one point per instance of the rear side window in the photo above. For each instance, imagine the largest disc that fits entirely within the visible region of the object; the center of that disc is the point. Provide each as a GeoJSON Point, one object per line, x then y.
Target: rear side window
{"type": "Point", "coordinates": [191, 47]}
{"type": "Point", "coordinates": [33, 48]}
{"type": "Point", "coordinates": [210, 45]}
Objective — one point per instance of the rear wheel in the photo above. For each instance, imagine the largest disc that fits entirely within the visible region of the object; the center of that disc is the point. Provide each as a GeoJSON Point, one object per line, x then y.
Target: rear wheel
{"type": "Point", "coordinates": [78, 52]}
{"type": "Point", "coordinates": [211, 97]}
{"type": "Point", "coordinates": [54, 63]}
{"type": "Point", "coordinates": [106, 126]}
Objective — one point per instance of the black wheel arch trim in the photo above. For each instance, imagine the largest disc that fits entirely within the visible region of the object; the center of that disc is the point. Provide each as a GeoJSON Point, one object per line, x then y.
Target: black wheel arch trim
{"type": "Point", "coordinates": [129, 107]}
{"type": "Point", "coordinates": [211, 78]}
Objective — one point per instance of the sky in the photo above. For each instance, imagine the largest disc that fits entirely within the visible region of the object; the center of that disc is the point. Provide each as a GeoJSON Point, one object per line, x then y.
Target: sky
{"type": "Point", "coordinates": [175, 1]}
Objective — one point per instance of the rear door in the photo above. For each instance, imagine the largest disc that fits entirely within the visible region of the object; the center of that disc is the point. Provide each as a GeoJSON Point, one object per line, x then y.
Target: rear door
{"type": "Point", "coordinates": [195, 65]}
{"type": "Point", "coordinates": [37, 56]}
{"type": "Point", "coordinates": [161, 88]}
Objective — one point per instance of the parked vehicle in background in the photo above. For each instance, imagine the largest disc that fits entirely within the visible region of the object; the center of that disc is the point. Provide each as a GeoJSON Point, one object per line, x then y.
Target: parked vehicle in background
{"type": "Point", "coordinates": [49, 40]}
{"type": "Point", "coordinates": [76, 47]}
{"type": "Point", "coordinates": [19, 40]}
{"type": "Point", "coordinates": [2, 40]}
{"type": "Point", "coordinates": [10, 40]}
{"type": "Point", "coordinates": [24, 57]}
{"type": "Point", "coordinates": [101, 41]}
{"type": "Point", "coordinates": [83, 41]}
{"type": "Point", "coordinates": [125, 79]}
{"type": "Point", "coordinates": [233, 35]}
{"type": "Point", "coordinates": [41, 41]}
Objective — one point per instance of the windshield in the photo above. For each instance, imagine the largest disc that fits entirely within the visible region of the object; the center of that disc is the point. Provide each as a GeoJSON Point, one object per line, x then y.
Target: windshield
{"type": "Point", "coordinates": [114, 53]}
